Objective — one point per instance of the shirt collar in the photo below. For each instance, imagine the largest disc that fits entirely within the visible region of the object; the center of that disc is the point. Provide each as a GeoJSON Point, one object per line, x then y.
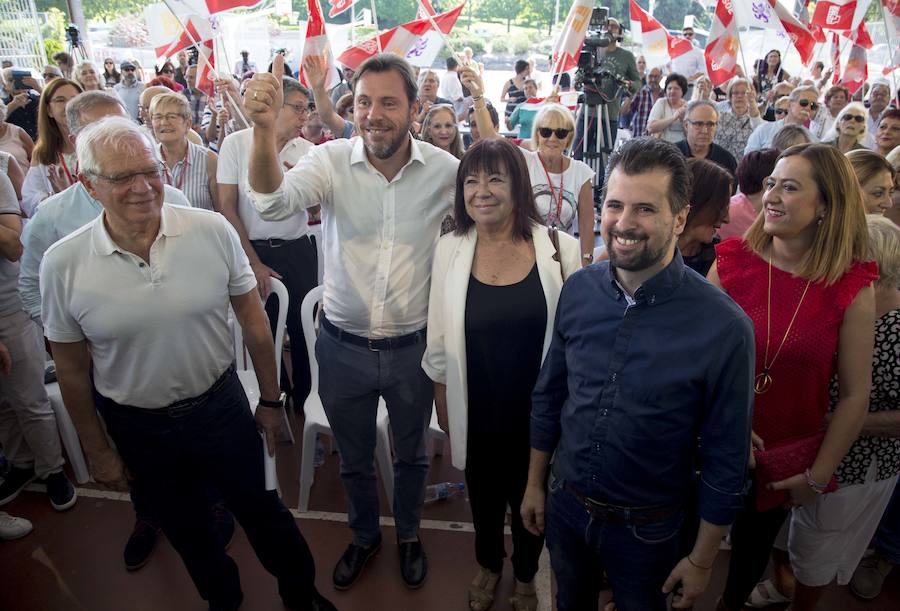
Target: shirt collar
{"type": "Point", "coordinates": [358, 154]}
{"type": "Point", "coordinates": [169, 226]}
{"type": "Point", "coordinates": [656, 289]}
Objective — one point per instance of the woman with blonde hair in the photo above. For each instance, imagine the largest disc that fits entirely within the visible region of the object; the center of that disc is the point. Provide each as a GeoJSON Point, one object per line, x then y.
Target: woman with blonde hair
{"type": "Point", "coordinates": [739, 115]}
{"type": "Point", "coordinates": [703, 90]}
{"type": "Point", "coordinates": [85, 74]}
{"type": "Point", "coordinates": [849, 129]}
{"type": "Point", "coordinates": [190, 167]}
{"type": "Point", "coordinates": [54, 166]}
{"type": "Point", "coordinates": [876, 179]}
{"type": "Point", "coordinates": [803, 277]}
{"type": "Point", "coordinates": [440, 129]}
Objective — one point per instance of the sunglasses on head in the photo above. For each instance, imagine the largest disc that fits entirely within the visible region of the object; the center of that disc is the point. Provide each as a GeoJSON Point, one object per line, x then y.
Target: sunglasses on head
{"type": "Point", "coordinates": [857, 118]}
{"type": "Point", "coordinates": [561, 132]}
{"type": "Point", "coordinates": [812, 105]}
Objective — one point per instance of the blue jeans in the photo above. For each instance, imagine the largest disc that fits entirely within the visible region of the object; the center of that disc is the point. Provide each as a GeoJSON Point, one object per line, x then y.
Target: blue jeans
{"type": "Point", "coordinates": [637, 558]}
{"type": "Point", "coordinates": [351, 378]}
{"type": "Point", "coordinates": [887, 537]}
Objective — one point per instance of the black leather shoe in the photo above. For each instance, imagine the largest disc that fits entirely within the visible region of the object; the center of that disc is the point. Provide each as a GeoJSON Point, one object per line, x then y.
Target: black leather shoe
{"type": "Point", "coordinates": [413, 563]}
{"type": "Point", "coordinates": [140, 544]}
{"type": "Point", "coordinates": [320, 603]}
{"type": "Point", "coordinates": [351, 564]}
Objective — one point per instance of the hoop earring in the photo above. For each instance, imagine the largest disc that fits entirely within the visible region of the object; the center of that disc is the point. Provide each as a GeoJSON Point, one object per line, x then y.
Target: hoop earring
{"type": "Point", "coordinates": [819, 222]}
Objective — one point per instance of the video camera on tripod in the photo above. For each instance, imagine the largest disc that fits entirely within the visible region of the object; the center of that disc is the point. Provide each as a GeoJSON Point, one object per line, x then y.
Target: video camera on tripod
{"type": "Point", "coordinates": [590, 75]}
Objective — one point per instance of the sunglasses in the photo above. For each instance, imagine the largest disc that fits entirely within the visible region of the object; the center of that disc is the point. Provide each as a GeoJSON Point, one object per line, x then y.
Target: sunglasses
{"type": "Point", "coordinates": [781, 111]}
{"type": "Point", "coordinates": [562, 133]}
{"type": "Point", "coordinates": [813, 106]}
{"type": "Point", "coordinates": [857, 118]}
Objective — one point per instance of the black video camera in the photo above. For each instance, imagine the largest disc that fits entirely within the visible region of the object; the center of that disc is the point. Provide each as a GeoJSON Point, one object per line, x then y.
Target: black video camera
{"type": "Point", "coordinates": [590, 74]}
{"type": "Point", "coordinates": [73, 37]}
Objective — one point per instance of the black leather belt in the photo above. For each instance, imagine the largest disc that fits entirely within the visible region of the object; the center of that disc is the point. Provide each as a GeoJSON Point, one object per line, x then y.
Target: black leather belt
{"type": "Point", "coordinates": [275, 242]}
{"type": "Point", "coordinates": [622, 515]}
{"type": "Point", "coordinates": [182, 408]}
{"type": "Point", "coordinates": [375, 345]}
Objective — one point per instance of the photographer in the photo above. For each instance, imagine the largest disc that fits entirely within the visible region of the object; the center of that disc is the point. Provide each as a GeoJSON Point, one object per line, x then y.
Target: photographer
{"type": "Point", "coordinates": [623, 74]}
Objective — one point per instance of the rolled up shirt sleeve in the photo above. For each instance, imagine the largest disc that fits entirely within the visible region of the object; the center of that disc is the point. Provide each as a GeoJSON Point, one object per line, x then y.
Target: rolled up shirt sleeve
{"type": "Point", "coordinates": [725, 432]}
{"type": "Point", "coordinates": [307, 184]}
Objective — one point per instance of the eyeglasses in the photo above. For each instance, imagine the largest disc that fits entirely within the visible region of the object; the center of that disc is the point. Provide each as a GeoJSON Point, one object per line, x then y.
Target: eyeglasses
{"type": "Point", "coordinates": [780, 111]}
{"type": "Point", "coordinates": [688, 34]}
{"type": "Point", "coordinates": [299, 109]}
{"type": "Point", "coordinates": [169, 116]}
{"type": "Point", "coordinates": [109, 63]}
{"type": "Point", "coordinates": [561, 132]}
{"type": "Point", "coordinates": [123, 180]}
{"type": "Point", "coordinates": [127, 69]}
{"type": "Point", "coordinates": [813, 106]}
{"type": "Point", "coordinates": [703, 124]}
{"type": "Point", "coordinates": [168, 71]}
{"type": "Point", "coordinates": [857, 118]}
{"type": "Point", "coordinates": [49, 75]}
{"type": "Point", "coordinates": [739, 94]}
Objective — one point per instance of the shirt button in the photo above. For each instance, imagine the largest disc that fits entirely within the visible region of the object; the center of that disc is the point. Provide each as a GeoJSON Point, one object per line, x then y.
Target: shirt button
{"type": "Point", "coordinates": [593, 478]}
{"type": "Point", "coordinates": [612, 378]}
{"type": "Point", "coordinates": [142, 265]}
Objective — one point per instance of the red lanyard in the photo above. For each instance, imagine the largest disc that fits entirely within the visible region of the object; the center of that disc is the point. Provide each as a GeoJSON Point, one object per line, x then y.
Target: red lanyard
{"type": "Point", "coordinates": [184, 168]}
{"type": "Point", "coordinates": [559, 198]}
{"type": "Point", "coordinates": [69, 175]}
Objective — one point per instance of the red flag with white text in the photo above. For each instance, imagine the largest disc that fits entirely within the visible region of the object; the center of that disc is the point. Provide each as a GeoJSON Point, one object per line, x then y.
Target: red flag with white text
{"type": "Point", "coordinates": [840, 14]}
{"type": "Point", "coordinates": [856, 70]}
{"type": "Point", "coordinates": [657, 45]}
{"type": "Point", "coordinates": [425, 10]}
{"type": "Point", "coordinates": [836, 58]}
{"type": "Point", "coordinates": [339, 6]}
{"type": "Point", "coordinates": [401, 40]}
{"type": "Point", "coordinates": [571, 37]}
{"type": "Point", "coordinates": [218, 6]}
{"type": "Point", "coordinates": [721, 52]}
{"type": "Point", "coordinates": [802, 39]}
{"type": "Point", "coordinates": [206, 68]}
{"type": "Point", "coordinates": [317, 44]}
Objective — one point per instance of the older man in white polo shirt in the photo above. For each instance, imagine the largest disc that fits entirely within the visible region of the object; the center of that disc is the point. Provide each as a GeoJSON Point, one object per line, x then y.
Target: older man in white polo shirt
{"type": "Point", "coordinates": [282, 249]}
{"type": "Point", "coordinates": [383, 196]}
{"type": "Point", "coordinates": [139, 298]}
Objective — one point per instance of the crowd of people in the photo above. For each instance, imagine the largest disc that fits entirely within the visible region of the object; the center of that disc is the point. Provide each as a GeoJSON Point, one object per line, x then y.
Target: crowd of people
{"type": "Point", "coordinates": [696, 339]}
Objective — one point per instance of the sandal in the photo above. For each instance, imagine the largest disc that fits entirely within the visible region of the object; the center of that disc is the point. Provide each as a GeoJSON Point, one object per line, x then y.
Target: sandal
{"type": "Point", "coordinates": [481, 590]}
{"type": "Point", "coordinates": [766, 594]}
{"type": "Point", "coordinates": [525, 597]}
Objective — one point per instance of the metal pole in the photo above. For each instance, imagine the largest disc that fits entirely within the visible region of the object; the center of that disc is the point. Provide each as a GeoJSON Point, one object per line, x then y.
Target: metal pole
{"type": "Point", "coordinates": [887, 36]}
{"type": "Point", "coordinates": [377, 30]}
{"type": "Point", "coordinates": [76, 15]}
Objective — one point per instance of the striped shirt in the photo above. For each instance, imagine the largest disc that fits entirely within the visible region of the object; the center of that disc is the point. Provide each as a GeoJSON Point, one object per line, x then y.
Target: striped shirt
{"type": "Point", "coordinates": [192, 178]}
{"type": "Point", "coordinates": [641, 108]}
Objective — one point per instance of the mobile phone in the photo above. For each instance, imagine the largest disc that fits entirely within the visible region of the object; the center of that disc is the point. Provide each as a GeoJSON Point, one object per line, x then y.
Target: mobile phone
{"type": "Point", "coordinates": [19, 77]}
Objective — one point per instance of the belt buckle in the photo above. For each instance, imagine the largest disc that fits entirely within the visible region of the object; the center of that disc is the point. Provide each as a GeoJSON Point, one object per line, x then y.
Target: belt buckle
{"type": "Point", "coordinates": [371, 347]}
{"type": "Point", "coordinates": [272, 242]}
{"type": "Point", "coordinates": [178, 411]}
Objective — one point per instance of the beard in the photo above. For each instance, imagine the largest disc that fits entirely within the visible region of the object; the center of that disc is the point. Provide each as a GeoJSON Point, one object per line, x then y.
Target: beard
{"type": "Point", "coordinates": [645, 258]}
{"type": "Point", "coordinates": [387, 149]}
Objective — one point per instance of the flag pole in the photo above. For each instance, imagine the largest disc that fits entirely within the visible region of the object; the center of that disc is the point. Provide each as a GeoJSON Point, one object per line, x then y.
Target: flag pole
{"type": "Point", "coordinates": [377, 29]}
{"type": "Point", "coordinates": [747, 74]}
{"type": "Point", "coordinates": [887, 36]}
{"type": "Point", "coordinates": [440, 32]}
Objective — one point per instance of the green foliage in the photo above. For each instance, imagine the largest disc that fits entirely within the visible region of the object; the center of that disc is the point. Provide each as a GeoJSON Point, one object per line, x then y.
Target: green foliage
{"type": "Point", "coordinates": [671, 12]}
{"type": "Point", "coordinates": [507, 10]}
{"type": "Point", "coordinates": [54, 32]}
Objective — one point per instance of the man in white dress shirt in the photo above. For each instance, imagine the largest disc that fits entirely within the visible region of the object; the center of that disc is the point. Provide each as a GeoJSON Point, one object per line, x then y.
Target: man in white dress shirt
{"type": "Point", "coordinates": [383, 196]}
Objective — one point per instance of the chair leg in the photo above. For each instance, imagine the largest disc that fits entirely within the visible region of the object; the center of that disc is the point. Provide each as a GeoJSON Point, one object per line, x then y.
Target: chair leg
{"type": "Point", "coordinates": [307, 466]}
{"type": "Point", "coordinates": [70, 440]}
{"type": "Point", "coordinates": [385, 460]}
{"type": "Point", "coordinates": [287, 433]}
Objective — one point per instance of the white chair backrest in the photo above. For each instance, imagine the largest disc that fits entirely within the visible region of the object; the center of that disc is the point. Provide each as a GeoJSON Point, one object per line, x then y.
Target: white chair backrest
{"type": "Point", "coordinates": [242, 356]}
{"type": "Point", "coordinates": [307, 308]}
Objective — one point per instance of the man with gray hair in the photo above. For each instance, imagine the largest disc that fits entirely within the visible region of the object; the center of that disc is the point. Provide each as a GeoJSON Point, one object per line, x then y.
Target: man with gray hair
{"type": "Point", "coordinates": [879, 96]}
{"type": "Point", "coordinates": [700, 123]}
{"type": "Point", "coordinates": [802, 108]}
{"type": "Point", "coordinates": [276, 249]}
{"type": "Point", "coordinates": [135, 305]}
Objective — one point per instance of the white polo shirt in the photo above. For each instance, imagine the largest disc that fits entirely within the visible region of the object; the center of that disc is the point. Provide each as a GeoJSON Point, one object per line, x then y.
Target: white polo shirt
{"type": "Point", "coordinates": [378, 236]}
{"type": "Point", "coordinates": [158, 332]}
{"type": "Point", "coordinates": [233, 169]}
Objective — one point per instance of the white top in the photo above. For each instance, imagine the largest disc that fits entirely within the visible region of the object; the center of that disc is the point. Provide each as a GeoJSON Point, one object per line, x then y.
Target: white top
{"type": "Point", "coordinates": [690, 63]}
{"type": "Point", "coordinates": [233, 169]}
{"type": "Point", "coordinates": [661, 110]}
{"type": "Point", "coordinates": [451, 87]}
{"type": "Point", "coordinates": [445, 352]}
{"type": "Point", "coordinates": [9, 270]}
{"type": "Point", "coordinates": [565, 217]}
{"type": "Point", "coordinates": [158, 332]}
{"type": "Point", "coordinates": [37, 187]}
{"type": "Point", "coordinates": [378, 236]}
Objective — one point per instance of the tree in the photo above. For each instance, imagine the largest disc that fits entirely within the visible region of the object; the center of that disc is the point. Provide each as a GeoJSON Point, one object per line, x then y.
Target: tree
{"type": "Point", "coordinates": [501, 9]}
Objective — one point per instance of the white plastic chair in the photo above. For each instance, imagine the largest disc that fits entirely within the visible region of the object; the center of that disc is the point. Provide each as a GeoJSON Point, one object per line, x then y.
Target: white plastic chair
{"type": "Point", "coordinates": [316, 422]}
{"type": "Point", "coordinates": [68, 434]}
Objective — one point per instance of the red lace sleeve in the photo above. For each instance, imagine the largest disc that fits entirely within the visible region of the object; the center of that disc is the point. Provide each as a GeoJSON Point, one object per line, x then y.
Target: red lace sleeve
{"type": "Point", "coordinates": [861, 274]}
{"type": "Point", "coordinates": [731, 256]}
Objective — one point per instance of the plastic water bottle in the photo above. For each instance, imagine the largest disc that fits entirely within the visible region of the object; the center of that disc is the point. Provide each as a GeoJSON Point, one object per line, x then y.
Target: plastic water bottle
{"type": "Point", "coordinates": [443, 491]}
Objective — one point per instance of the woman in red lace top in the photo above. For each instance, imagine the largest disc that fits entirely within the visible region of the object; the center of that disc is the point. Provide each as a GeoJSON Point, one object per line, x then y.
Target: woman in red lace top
{"type": "Point", "coordinates": [800, 275]}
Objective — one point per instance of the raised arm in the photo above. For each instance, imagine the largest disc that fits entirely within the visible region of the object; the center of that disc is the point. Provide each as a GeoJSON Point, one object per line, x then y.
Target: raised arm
{"type": "Point", "coordinates": [264, 99]}
{"type": "Point", "coordinates": [315, 68]}
{"type": "Point", "coordinates": [472, 81]}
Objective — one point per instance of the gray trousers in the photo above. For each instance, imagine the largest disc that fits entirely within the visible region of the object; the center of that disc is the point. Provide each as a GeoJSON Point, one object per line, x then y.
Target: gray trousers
{"type": "Point", "coordinates": [351, 378]}
{"type": "Point", "coordinates": [27, 424]}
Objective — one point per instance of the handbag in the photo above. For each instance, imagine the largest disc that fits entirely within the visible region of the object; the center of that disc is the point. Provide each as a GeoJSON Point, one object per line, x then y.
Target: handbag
{"type": "Point", "coordinates": [554, 239]}
{"type": "Point", "coordinates": [782, 461]}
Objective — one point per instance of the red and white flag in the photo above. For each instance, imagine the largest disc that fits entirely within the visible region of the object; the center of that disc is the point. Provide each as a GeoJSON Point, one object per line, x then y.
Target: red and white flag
{"type": "Point", "coordinates": [218, 6]}
{"type": "Point", "coordinates": [801, 37]}
{"type": "Point", "coordinates": [892, 23]}
{"type": "Point", "coordinates": [405, 40]}
{"type": "Point", "coordinates": [339, 6]}
{"type": "Point", "coordinates": [657, 45]}
{"type": "Point", "coordinates": [425, 10]}
{"type": "Point", "coordinates": [206, 68]}
{"type": "Point", "coordinates": [836, 58]}
{"type": "Point", "coordinates": [317, 44]}
{"type": "Point", "coordinates": [840, 14]}
{"type": "Point", "coordinates": [571, 38]}
{"type": "Point", "coordinates": [816, 30]}
{"type": "Point", "coordinates": [856, 71]}
{"type": "Point", "coordinates": [722, 49]}
{"type": "Point", "coordinates": [892, 7]}
{"type": "Point", "coordinates": [861, 36]}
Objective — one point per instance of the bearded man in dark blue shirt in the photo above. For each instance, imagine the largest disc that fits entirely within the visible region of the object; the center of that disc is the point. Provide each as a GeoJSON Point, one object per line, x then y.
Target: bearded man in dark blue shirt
{"type": "Point", "coordinates": [646, 357]}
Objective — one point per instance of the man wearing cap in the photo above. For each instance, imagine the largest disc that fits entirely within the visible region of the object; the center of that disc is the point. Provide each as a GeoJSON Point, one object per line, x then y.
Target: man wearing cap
{"type": "Point", "coordinates": [129, 89]}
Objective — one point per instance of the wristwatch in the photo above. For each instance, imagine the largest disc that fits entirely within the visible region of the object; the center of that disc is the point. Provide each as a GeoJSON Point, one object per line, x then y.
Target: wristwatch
{"type": "Point", "coordinates": [589, 257]}
{"type": "Point", "coordinates": [282, 400]}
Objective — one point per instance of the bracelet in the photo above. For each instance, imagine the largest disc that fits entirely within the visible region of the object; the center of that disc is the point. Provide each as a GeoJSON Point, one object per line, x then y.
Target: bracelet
{"type": "Point", "coordinates": [477, 98]}
{"type": "Point", "coordinates": [813, 484]}
{"type": "Point", "coordinates": [589, 256]}
{"type": "Point", "coordinates": [704, 568]}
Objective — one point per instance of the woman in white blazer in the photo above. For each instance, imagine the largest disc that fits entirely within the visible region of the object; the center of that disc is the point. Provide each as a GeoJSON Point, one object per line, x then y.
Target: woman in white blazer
{"type": "Point", "coordinates": [495, 285]}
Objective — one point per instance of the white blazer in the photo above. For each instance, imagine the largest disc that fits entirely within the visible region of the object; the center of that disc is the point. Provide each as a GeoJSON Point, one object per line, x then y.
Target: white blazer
{"type": "Point", "coordinates": [445, 354]}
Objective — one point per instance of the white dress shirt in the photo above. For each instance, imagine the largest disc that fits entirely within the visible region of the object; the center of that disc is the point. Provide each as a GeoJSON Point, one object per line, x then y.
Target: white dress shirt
{"type": "Point", "coordinates": [378, 236]}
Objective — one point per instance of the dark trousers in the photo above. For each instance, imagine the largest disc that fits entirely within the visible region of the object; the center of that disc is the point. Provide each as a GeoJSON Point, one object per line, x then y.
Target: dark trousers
{"type": "Point", "coordinates": [496, 475]}
{"type": "Point", "coordinates": [637, 557]}
{"type": "Point", "coordinates": [752, 537]}
{"type": "Point", "coordinates": [297, 262]}
{"type": "Point", "coordinates": [176, 460]}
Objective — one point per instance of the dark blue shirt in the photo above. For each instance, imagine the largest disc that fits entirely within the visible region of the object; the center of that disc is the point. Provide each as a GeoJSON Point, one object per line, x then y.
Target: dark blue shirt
{"type": "Point", "coordinates": [625, 391]}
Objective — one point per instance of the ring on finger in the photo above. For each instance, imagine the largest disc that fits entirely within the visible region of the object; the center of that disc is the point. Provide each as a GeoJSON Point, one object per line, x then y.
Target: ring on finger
{"type": "Point", "coordinates": [255, 94]}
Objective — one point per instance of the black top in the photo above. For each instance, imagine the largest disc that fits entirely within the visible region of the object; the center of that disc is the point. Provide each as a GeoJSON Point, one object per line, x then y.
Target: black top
{"type": "Point", "coordinates": [517, 95]}
{"type": "Point", "coordinates": [504, 339]}
{"type": "Point", "coordinates": [26, 116]}
{"type": "Point", "coordinates": [717, 155]}
{"type": "Point", "coordinates": [703, 260]}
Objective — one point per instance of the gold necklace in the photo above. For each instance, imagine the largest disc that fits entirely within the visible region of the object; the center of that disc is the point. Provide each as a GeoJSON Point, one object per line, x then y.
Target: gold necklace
{"type": "Point", "coordinates": [763, 381]}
